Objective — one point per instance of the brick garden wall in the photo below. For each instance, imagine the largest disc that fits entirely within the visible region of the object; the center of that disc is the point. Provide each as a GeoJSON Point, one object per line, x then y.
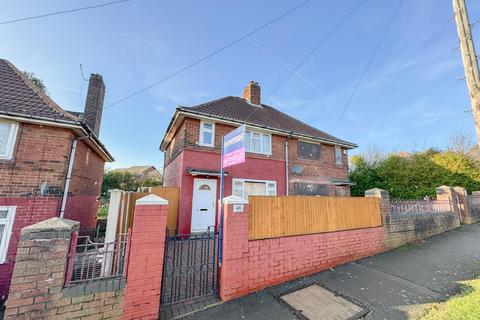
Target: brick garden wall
{"type": "Point", "coordinates": [402, 229]}
{"type": "Point", "coordinates": [252, 265]}
{"type": "Point", "coordinates": [37, 291]}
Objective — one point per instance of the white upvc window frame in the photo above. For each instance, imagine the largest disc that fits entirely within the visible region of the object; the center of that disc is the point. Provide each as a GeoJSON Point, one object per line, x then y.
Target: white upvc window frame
{"type": "Point", "coordinates": [7, 232]}
{"type": "Point", "coordinates": [238, 187]}
{"type": "Point", "coordinates": [250, 136]}
{"type": "Point", "coordinates": [203, 130]}
{"type": "Point", "coordinates": [12, 137]}
{"type": "Point", "coordinates": [338, 161]}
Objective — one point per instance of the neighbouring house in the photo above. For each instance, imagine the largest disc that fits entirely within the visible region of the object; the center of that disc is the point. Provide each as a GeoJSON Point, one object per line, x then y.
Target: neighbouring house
{"type": "Point", "coordinates": [284, 156]}
{"type": "Point", "coordinates": [51, 160]}
{"type": "Point", "coordinates": [142, 173]}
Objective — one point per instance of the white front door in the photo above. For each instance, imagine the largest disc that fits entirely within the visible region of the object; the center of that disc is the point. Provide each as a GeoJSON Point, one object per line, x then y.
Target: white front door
{"type": "Point", "coordinates": [203, 204]}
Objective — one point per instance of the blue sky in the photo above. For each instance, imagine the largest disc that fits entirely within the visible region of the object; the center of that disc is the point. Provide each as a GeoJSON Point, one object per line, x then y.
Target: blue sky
{"type": "Point", "coordinates": [409, 99]}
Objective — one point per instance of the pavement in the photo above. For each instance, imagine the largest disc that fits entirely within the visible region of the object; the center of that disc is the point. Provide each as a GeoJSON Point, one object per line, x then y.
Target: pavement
{"type": "Point", "coordinates": [398, 284]}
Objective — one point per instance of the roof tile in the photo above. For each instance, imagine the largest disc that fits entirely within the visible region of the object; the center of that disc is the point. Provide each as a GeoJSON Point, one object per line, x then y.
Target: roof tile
{"type": "Point", "coordinates": [240, 110]}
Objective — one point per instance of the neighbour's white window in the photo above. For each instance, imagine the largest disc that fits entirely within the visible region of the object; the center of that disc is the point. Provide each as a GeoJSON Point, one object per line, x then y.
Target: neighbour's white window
{"type": "Point", "coordinates": [8, 134]}
{"type": "Point", "coordinates": [338, 155]}
{"type": "Point", "coordinates": [258, 142]}
{"type": "Point", "coordinates": [207, 134]}
{"type": "Point", "coordinates": [7, 215]}
{"type": "Point", "coordinates": [244, 188]}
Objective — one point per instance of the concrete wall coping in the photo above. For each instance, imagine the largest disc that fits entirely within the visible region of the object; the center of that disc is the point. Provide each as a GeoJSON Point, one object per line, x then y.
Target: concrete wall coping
{"type": "Point", "coordinates": [376, 192]}
{"type": "Point", "coordinates": [234, 200]}
{"type": "Point", "coordinates": [151, 200]}
{"type": "Point", "coordinates": [52, 224]}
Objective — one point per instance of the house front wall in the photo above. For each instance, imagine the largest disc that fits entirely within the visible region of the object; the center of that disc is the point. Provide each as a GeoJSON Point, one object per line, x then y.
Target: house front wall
{"type": "Point", "coordinates": [40, 162]}
{"type": "Point", "coordinates": [86, 183]}
{"type": "Point", "coordinates": [185, 152]}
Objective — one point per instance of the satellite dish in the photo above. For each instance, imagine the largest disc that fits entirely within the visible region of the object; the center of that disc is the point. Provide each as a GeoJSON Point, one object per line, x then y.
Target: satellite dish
{"type": "Point", "coordinates": [296, 169]}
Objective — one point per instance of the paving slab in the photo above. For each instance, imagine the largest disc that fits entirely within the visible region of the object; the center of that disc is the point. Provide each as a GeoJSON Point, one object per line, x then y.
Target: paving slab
{"type": "Point", "coordinates": [393, 285]}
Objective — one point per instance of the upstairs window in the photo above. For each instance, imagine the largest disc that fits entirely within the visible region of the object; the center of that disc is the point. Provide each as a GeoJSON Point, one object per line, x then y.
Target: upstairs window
{"type": "Point", "coordinates": [6, 222]}
{"type": "Point", "coordinates": [8, 134]}
{"type": "Point", "coordinates": [258, 142]}
{"type": "Point", "coordinates": [207, 134]}
{"type": "Point", "coordinates": [338, 155]}
{"type": "Point", "coordinates": [309, 151]}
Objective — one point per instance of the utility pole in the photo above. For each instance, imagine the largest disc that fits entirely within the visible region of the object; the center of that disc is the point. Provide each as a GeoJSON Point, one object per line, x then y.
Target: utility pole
{"type": "Point", "coordinates": [469, 58]}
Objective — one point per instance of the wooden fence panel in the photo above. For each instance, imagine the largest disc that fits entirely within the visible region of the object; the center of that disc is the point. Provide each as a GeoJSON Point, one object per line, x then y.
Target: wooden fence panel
{"type": "Point", "coordinates": [172, 194]}
{"type": "Point", "coordinates": [272, 217]}
{"type": "Point", "coordinates": [127, 206]}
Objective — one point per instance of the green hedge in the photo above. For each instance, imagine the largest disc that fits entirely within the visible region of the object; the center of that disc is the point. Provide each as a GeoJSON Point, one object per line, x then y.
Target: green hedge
{"type": "Point", "coordinates": [415, 175]}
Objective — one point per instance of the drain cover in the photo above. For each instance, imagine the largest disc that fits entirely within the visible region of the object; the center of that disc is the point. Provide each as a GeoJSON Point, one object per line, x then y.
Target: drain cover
{"type": "Point", "coordinates": [316, 303]}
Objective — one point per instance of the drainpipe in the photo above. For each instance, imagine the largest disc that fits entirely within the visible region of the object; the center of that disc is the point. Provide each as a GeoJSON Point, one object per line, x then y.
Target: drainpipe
{"type": "Point", "coordinates": [286, 162]}
{"type": "Point", "coordinates": [69, 174]}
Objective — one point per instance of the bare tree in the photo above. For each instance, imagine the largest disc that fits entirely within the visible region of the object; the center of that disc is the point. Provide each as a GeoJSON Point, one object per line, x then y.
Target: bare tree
{"type": "Point", "coordinates": [462, 142]}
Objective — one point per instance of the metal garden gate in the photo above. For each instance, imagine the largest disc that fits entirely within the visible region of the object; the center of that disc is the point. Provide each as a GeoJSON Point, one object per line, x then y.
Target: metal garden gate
{"type": "Point", "coordinates": [190, 267]}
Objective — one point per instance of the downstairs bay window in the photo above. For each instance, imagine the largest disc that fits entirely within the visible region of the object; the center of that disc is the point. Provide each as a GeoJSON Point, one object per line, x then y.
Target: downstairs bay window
{"type": "Point", "coordinates": [243, 188]}
{"type": "Point", "coordinates": [7, 215]}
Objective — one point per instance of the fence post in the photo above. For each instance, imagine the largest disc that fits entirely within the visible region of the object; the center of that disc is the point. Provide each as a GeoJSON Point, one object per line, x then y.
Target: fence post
{"type": "Point", "coordinates": [384, 202]}
{"type": "Point", "coordinates": [446, 193]}
{"type": "Point", "coordinates": [233, 275]}
{"type": "Point", "coordinates": [145, 262]}
{"type": "Point", "coordinates": [467, 214]}
{"type": "Point", "coordinates": [39, 272]}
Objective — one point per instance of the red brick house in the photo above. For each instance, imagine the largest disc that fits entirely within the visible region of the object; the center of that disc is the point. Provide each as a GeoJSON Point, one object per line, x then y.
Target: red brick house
{"type": "Point", "coordinates": [51, 160]}
{"type": "Point", "coordinates": [284, 156]}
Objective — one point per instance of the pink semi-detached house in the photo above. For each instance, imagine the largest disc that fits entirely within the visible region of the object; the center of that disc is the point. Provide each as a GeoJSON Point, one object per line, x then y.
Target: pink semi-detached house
{"type": "Point", "coordinates": [284, 156]}
{"type": "Point", "coordinates": [51, 160]}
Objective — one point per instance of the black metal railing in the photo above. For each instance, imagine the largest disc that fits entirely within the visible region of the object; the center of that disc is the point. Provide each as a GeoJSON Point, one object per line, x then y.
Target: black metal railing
{"type": "Point", "coordinates": [420, 206]}
{"type": "Point", "coordinates": [90, 260]}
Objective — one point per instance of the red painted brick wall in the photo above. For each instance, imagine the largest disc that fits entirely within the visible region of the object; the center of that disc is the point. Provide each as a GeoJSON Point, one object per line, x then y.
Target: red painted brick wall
{"type": "Point", "coordinates": [41, 155]}
{"type": "Point", "coordinates": [249, 266]}
{"type": "Point", "coordinates": [142, 294]}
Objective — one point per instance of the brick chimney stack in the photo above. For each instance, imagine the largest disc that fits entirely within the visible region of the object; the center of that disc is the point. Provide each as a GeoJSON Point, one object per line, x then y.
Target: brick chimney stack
{"type": "Point", "coordinates": [252, 93]}
{"type": "Point", "coordinates": [94, 102]}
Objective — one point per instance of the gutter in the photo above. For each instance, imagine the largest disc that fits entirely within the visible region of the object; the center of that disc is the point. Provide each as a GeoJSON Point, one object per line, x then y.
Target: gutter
{"type": "Point", "coordinates": [61, 123]}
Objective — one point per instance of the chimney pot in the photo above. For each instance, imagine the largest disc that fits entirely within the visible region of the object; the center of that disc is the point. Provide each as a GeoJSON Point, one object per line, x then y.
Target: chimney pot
{"type": "Point", "coordinates": [94, 103]}
{"type": "Point", "coordinates": [252, 93]}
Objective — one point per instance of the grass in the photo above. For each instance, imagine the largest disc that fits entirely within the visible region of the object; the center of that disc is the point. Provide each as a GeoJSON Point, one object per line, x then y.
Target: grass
{"type": "Point", "coordinates": [464, 306]}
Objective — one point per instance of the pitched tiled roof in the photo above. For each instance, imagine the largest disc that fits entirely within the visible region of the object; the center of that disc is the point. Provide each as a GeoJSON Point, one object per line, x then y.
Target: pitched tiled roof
{"type": "Point", "coordinates": [18, 95]}
{"type": "Point", "coordinates": [240, 110]}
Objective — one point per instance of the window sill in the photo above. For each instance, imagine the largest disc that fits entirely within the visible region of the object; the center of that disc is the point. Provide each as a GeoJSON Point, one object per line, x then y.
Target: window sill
{"type": "Point", "coordinates": [259, 153]}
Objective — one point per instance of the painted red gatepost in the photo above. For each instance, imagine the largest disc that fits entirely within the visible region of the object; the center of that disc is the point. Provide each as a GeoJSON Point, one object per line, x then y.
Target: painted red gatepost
{"type": "Point", "coordinates": [145, 265]}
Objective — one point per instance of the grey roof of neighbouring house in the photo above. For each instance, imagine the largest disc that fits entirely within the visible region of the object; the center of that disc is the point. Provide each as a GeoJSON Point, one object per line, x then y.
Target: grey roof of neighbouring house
{"type": "Point", "coordinates": [20, 98]}
{"type": "Point", "coordinates": [240, 110]}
